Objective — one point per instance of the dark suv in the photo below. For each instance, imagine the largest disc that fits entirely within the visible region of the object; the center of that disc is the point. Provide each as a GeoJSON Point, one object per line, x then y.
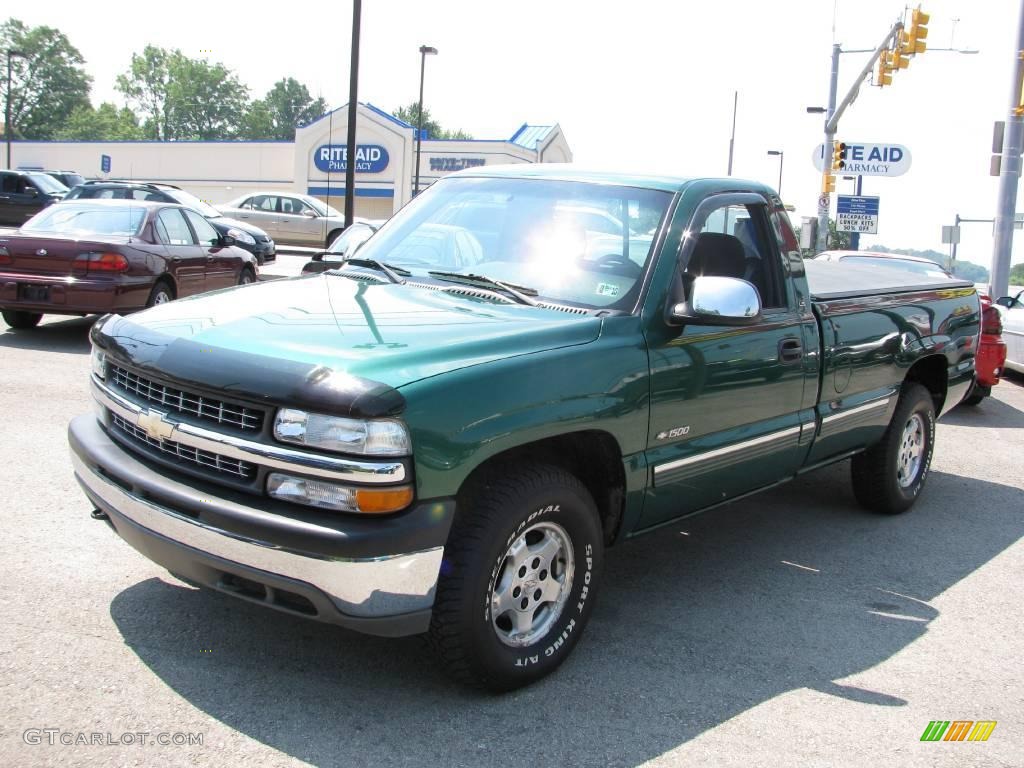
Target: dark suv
{"type": "Point", "coordinates": [252, 239]}
{"type": "Point", "coordinates": [69, 179]}
{"type": "Point", "coordinates": [23, 194]}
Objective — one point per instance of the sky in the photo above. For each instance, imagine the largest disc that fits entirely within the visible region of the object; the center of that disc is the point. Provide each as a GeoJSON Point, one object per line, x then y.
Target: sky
{"type": "Point", "coordinates": [638, 86]}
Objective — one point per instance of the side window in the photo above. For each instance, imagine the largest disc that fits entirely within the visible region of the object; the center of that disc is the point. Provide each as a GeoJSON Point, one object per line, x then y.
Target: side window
{"type": "Point", "coordinates": [738, 241]}
{"type": "Point", "coordinates": [205, 232]}
{"type": "Point", "coordinates": [247, 203]}
{"type": "Point", "coordinates": [172, 229]}
{"type": "Point", "coordinates": [10, 183]}
{"type": "Point", "coordinates": [291, 206]}
{"type": "Point", "coordinates": [266, 203]}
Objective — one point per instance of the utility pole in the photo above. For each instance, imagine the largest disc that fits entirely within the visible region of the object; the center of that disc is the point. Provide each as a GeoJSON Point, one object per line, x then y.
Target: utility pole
{"type": "Point", "coordinates": [353, 111]}
{"type": "Point", "coordinates": [732, 136]}
{"type": "Point", "coordinates": [825, 201]}
{"type": "Point", "coordinates": [1009, 173]}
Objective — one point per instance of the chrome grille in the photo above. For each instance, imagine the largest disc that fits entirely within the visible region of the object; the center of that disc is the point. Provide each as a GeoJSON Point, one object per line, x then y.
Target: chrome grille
{"type": "Point", "coordinates": [187, 453]}
{"type": "Point", "coordinates": [182, 401]}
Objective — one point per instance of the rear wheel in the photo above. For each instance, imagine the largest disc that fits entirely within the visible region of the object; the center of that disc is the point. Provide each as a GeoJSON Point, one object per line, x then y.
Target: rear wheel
{"type": "Point", "coordinates": [21, 321]}
{"type": "Point", "coordinates": [889, 476]}
{"type": "Point", "coordinates": [978, 394]}
{"type": "Point", "coordinates": [246, 276]}
{"type": "Point", "coordinates": [161, 294]}
{"type": "Point", "coordinates": [526, 548]}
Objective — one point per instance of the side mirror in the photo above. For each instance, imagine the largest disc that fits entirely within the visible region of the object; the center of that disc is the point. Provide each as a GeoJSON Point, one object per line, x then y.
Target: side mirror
{"type": "Point", "coordinates": [719, 301]}
{"type": "Point", "coordinates": [31, 191]}
{"type": "Point", "coordinates": [310, 214]}
{"type": "Point", "coordinates": [227, 240]}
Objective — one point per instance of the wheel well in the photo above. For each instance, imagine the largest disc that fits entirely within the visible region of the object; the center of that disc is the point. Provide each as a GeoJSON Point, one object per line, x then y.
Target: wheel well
{"type": "Point", "coordinates": [333, 234]}
{"type": "Point", "coordinates": [592, 456]}
{"type": "Point", "coordinates": [930, 372]}
{"type": "Point", "coordinates": [169, 282]}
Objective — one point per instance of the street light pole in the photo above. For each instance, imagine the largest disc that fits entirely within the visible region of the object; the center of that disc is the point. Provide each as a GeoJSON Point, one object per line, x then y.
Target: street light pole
{"type": "Point", "coordinates": [351, 149]}
{"type": "Point", "coordinates": [825, 200]}
{"type": "Point", "coordinates": [732, 136]}
{"type": "Point", "coordinates": [7, 113]}
{"type": "Point", "coordinates": [781, 155]}
{"type": "Point", "coordinates": [424, 50]}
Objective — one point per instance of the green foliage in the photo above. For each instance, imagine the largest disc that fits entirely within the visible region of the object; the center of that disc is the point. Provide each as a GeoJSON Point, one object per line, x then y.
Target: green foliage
{"type": "Point", "coordinates": [285, 107]}
{"type": "Point", "coordinates": [838, 241]}
{"type": "Point", "coordinates": [410, 114]}
{"type": "Point", "coordinates": [105, 123]}
{"type": "Point", "coordinates": [962, 269]}
{"type": "Point", "coordinates": [46, 85]}
{"type": "Point", "coordinates": [184, 98]}
{"type": "Point", "coordinates": [1017, 274]}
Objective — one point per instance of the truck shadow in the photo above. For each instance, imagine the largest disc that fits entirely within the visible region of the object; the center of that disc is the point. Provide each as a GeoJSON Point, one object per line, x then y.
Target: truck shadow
{"type": "Point", "coordinates": [993, 412]}
{"type": "Point", "coordinates": [68, 335]}
{"type": "Point", "coordinates": [796, 588]}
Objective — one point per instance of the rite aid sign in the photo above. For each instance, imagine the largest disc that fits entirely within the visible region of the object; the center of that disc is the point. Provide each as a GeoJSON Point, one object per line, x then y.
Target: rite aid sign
{"type": "Point", "coordinates": [370, 158]}
{"type": "Point", "coordinates": [868, 159]}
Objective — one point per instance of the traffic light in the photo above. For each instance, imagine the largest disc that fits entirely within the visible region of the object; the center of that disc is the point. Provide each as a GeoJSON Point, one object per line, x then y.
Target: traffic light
{"type": "Point", "coordinates": [838, 155]}
{"type": "Point", "coordinates": [828, 183]}
{"type": "Point", "coordinates": [885, 69]}
{"type": "Point", "coordinates": [913, 42]}
{"type": "Point", "coordinates": [899, 58]}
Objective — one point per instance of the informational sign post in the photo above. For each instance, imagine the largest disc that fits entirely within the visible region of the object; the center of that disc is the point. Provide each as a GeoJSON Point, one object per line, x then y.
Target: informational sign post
{"type": "Point", "coordinates": [856, 213]}
{"type": "Point", "coordinates": [105, 163]}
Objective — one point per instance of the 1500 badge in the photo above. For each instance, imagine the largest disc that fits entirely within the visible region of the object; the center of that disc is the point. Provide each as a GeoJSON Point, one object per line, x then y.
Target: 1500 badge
{"type": "Point", "coordinates": [677, 432]}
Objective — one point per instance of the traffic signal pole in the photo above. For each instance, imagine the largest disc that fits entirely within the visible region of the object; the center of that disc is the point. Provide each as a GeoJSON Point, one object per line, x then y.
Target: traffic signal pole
{"type": "Point", "coordinates": [836, 112]}
{"type": "Point", "coordinates": [1009, 174]}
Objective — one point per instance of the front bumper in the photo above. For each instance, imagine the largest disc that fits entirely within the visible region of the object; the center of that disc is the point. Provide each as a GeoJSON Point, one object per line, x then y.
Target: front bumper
{"type": "Point", "coordinates": [389, 595]}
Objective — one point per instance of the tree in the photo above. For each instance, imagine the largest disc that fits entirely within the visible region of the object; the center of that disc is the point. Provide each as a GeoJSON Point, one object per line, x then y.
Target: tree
{"type": "Point", "coordinates": [184, 98]}
{"type": "Point", "coordinates": [46, 85]}
{"type": "Point", "coordinates": [285, 107]}
{"type": "Point", "coordinates": [105, 123]}
{"type": "Point", "coordinates": [1017, 274]}
{"type": "Point", "coordinates": [145, 83]}
{"type": "Point", "coordinates": [410, 114]}
{"type": "Point", "coordinates": [962, 269]}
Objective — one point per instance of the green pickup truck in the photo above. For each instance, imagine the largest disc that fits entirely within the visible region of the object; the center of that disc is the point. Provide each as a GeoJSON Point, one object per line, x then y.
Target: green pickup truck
{"type": "Point", "coordinates": [521, 369]}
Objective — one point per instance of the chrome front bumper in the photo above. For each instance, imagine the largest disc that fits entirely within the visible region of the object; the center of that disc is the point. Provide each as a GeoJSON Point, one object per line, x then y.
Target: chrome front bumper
{"type": "Point", "coordinates": [390, 595]}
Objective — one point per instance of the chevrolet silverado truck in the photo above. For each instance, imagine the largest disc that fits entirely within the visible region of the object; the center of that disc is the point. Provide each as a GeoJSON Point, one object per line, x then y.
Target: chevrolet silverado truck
{"type": "Point", "coordinates": [446, 433]}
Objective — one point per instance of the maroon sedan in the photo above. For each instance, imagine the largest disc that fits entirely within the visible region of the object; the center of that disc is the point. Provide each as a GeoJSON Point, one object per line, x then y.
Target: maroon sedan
{"type": "Point", "coordinates": [89, 256]}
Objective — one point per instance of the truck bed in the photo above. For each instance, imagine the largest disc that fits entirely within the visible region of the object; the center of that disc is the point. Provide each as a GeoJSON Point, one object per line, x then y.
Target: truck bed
{"type": "Point", "coordinates": [829, 280]}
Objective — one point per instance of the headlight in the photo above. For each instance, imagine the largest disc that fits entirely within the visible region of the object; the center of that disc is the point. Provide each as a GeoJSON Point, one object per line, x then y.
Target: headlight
{"type": "Point", "coordinates": [242, 237]}
{"type": "Point", "coordinates": [99, 363]}
{"type": "Point", "coordinates": [340, 498]}
{"type": "Point", "coordinates": [378, 437]}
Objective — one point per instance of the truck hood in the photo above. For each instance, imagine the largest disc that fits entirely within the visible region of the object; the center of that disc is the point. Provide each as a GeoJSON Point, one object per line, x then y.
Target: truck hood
{"type": "Point", "coordinates": [320, 341]}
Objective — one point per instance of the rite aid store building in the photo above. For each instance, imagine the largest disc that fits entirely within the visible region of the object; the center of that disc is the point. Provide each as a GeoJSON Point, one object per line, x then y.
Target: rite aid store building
{"type": "Point", "coordinates": [218, 171]}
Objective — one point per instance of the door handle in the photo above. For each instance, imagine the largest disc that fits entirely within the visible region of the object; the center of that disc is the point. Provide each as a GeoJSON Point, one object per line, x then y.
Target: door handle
{"type": "Point", "coordinates": [790, 351]}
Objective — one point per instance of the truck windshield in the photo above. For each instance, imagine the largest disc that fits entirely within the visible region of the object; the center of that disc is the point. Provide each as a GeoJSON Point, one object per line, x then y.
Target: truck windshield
{"type": "Point", "coordinates": [576, 243]}
{"type": "Point", "coordinates": [75, 219]}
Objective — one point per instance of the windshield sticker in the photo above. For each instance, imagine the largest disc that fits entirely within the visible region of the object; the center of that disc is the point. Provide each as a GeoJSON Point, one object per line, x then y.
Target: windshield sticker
{"type": "Point", "coordinates": [607, 289]}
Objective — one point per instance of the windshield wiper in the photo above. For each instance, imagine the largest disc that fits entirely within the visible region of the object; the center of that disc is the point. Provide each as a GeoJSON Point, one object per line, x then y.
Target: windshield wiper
{"type": "Point", "coordinates": [520, 293]}
{"type": "Point", "coordinates": [395, 274]}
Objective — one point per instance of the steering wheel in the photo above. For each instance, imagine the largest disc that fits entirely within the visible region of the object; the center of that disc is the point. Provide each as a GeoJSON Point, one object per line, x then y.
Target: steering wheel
{"type": "Point", "coordinates": [617, 264]}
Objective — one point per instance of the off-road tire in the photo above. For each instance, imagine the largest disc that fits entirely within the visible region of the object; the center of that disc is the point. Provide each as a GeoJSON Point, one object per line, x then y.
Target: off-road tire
{"type": "Point", "coordinates": [494, 514]}
{"type": "Point", "coordinates": [20, 320]}
{"type": "Point", "coordinates": [876, 473]}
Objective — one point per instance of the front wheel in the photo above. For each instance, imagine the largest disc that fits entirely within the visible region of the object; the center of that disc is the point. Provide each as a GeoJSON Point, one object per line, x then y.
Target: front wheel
{"type": "Point", "coordinates": [519, 578]}
{"type": "Point", "coordinates": [21, 321]}
{"type": "Point", "coordinates": [889, 476]}
{"type": "Point", "coordinates": [246, 276]}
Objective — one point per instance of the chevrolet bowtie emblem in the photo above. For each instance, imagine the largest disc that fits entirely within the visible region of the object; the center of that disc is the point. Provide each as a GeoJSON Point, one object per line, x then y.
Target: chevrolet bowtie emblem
{"type": "Point", "coordinates": [155, 424]}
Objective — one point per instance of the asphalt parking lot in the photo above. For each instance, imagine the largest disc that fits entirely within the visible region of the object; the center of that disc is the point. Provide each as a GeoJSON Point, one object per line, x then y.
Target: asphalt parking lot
{"type": "Point", "coordinates": [787, 629]}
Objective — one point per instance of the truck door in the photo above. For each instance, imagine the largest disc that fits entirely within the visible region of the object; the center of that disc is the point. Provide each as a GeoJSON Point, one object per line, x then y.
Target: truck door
{"type": "Point", "coordinates": [728, 402]}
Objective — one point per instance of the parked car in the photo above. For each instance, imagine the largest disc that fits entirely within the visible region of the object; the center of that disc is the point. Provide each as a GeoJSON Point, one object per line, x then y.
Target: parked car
{"type": "Point", "coordinates": [1013, 330]}
{"type": "Point", "coordinates": [247, 236]}
{"type": "Point", "coordinates": [401, 450]}
{"type": "Point", "coordinates": [24, 193]}
{"type": "Point", "coordinates": [69, 179]}
{"type": "Point", "coordinates": [344, 246]}
{"type": "Point", "coordinates": [991, 357]}
{"type": "Point", "coordinates": [289, 218]}
{"type": "Point", "coordinates": [892, 260]}
{"type": "Point", "coordinates": [88, 256]}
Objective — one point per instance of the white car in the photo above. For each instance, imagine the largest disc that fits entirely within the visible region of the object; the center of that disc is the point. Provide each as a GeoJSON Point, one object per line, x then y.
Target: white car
{"type": "Point", "coordinates": [1013, 328]}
